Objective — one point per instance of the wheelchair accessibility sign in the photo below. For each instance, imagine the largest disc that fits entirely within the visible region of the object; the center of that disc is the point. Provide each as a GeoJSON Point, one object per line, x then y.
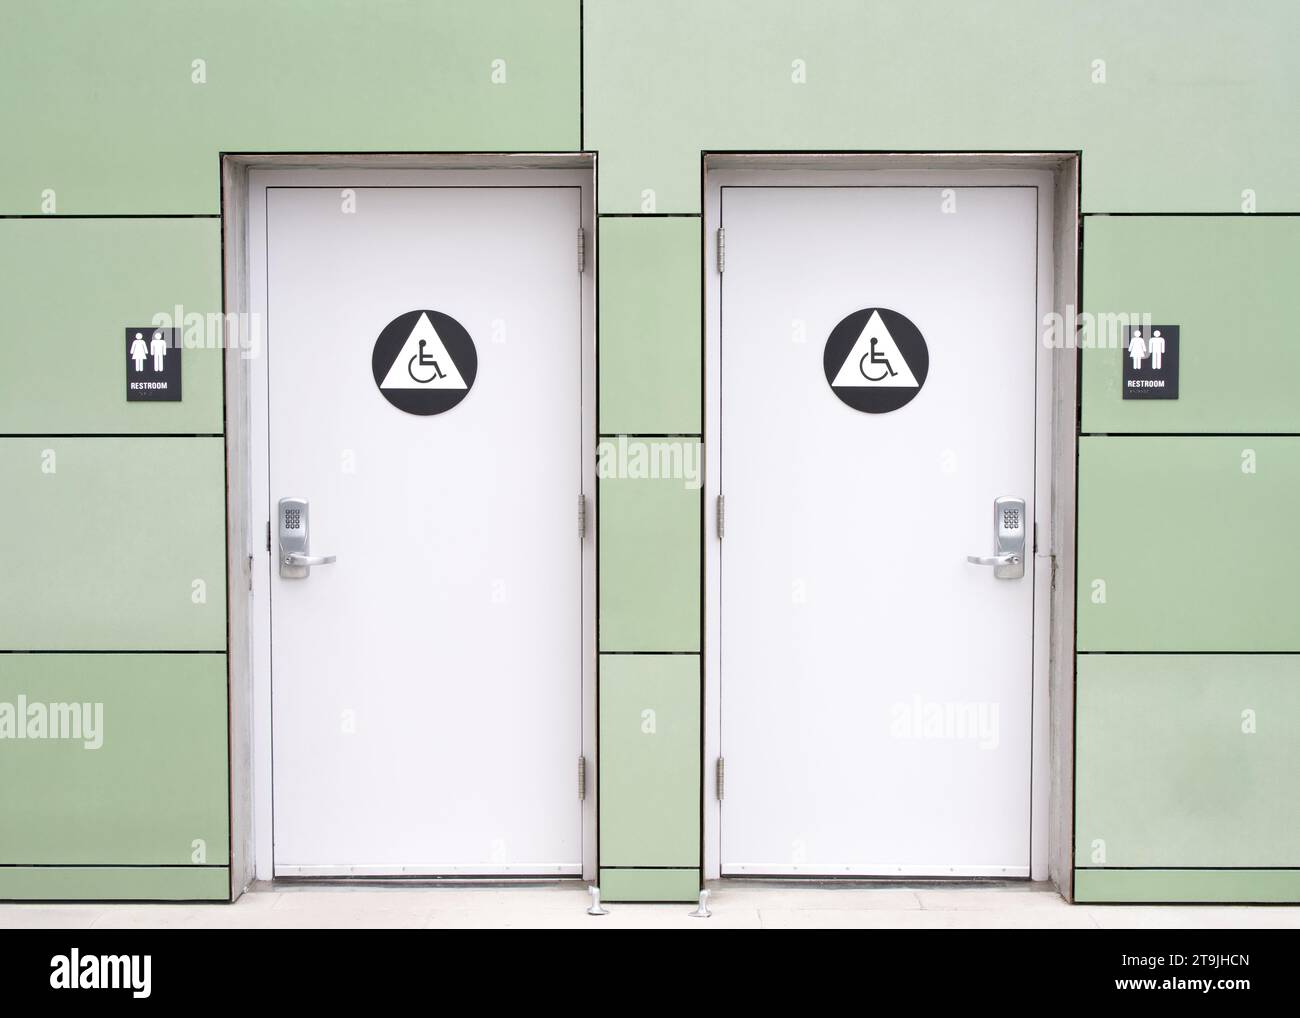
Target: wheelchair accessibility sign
{"type": "Point", "coordinates": [424, 362]}
{"type": "Point", "coordinates": [876, 360]}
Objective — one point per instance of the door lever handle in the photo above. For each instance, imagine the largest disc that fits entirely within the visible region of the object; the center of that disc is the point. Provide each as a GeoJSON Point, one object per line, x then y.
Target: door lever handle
{"type": "Point", "coordinates": [298, 559]}
{"type": "Point", "coordinates": [993, 560]}
{"type": "Point", "coordinates": [1010, 524]}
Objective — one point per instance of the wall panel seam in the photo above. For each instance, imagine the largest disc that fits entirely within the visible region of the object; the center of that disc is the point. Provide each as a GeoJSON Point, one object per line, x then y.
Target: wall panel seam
{"type": "Point", "coordinates": [111, 215]}
{"type": "Point", "coordinates": [114, 865]}
{"type": "Point", "coordinates": [1193, 215]}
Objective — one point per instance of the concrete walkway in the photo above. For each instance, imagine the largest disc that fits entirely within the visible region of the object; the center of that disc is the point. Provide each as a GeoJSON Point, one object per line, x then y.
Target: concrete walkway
{"type": "Point", "coordinates": [734, 906]}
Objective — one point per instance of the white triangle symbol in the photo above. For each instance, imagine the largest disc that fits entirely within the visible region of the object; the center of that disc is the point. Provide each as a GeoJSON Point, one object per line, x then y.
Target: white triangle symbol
{"type": "Point", "coordinates": [874, 361]}
{"type": "Point", "coordinates": [423, 362]}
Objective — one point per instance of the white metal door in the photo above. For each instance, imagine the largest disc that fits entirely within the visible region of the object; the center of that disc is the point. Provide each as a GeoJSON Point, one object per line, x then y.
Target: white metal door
{"type": "Point", "coordinates": [875, 686]}
{"type": "Point", "coordinates": [427, 685]}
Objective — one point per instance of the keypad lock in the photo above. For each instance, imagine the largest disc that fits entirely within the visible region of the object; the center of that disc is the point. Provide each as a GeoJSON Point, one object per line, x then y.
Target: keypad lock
{"type": "Point", "coordinates": [296, 559]}
{"type": "Point", "coordinates": [1009, 529]}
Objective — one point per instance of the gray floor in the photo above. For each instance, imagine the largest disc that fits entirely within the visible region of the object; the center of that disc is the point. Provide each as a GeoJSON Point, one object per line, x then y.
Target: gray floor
{"type": "Point", "coordinates": [733, 905]}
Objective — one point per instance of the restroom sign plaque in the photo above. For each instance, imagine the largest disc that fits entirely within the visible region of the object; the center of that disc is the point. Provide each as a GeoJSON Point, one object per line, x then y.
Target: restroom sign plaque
{"type": "Point", "coordinates": [876, 360]}
{"type": "Point", "coordinates": [1150, 362]}
{"type": "Point", "coordinates": [424, 362]}
{"type": "Point", "coordinates": [153, 365]}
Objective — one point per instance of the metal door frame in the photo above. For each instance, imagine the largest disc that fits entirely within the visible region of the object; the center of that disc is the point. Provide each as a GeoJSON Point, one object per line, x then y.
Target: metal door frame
{"type": "Point", "coordinates": [244, 178]}
{"type": "Point", "coordinates": [1052, 765]}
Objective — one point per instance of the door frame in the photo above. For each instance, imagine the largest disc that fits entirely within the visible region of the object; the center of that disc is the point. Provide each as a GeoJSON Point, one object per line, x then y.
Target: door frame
{"type": "Point", "coordinates": [244, 177]}
{"type": "Point", "coordinates": [1056, 174]}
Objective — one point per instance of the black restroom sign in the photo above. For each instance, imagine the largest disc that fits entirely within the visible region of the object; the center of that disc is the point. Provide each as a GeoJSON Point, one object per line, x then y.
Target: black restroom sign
{"type": "Point", "coordinates": [153, 364]}
{"type": "Point", "coordinates": [876, 360]}
{"type": "Point", "coordinates": [1150, 362]}
{"type": "Point", "coordinates": [424, 362]}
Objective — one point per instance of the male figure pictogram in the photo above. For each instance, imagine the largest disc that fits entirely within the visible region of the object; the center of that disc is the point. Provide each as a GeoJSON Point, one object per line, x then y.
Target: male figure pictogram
{"type": "Point", "coordinates": [1156, 349]}
{"type": "Point", "coordinates": [158, 348]}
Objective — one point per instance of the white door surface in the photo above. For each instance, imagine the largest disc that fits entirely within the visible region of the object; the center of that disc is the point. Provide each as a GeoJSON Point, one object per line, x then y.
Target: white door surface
{"type": "Point", "coordinates": [876, 687]}
{"type": "Point", "coordinates": [427, 685]}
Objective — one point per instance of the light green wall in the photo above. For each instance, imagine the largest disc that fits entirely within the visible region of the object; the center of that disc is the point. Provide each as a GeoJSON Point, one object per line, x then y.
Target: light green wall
{"type": "Point", "coordinates": [650, 557]}
{"type": "Point", "coordinates": [649, 884]}
{"type": "Point", "coordinates": [99, 102]}
{"type": "Point", "coordinates": [1181, 759]}
{"type": "Point", "coordinates": [1121, 887]}
{"type": "Point", "coordinates": [650, 760]}
{"type": "Point", "coordinates": [114, 883]}
{"type": "Point", "coordinates": [153, 789]}
{"type": "Point", "coordinates": [1197, 106]}
{"type": "Point", "coordinates": [98, 105]}
{"type": "Point", "coordinates": [1229, 283]}
{"type": "Point", "coordinates": [650, 345]}
{"type": "Point", "coordinates": [1185, 544]}
{"type": "Point", "coordinates": [123, 544]}
{"type": "Point", "coordinates": [650, 356]}
{"type": "Point", "coordinates": [1188, 120]}
{"type": "Point", "coordinates": [1193, 540]}
{"type": "Point", "coordinates": [71, 287]}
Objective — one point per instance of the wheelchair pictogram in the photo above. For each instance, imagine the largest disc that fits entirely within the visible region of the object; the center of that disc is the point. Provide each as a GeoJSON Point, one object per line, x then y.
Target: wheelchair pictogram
{"type": "Point", "coordinates": [874, 358]}
{"type": "Point", "coordinates": [425, 361]}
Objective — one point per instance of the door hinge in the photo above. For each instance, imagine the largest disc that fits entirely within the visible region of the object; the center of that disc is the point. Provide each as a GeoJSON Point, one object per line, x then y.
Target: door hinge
{"type": "Point", "coordinates": [722, 250]}
{"type": "Point", "coordinates": [722, 516]}
{"type": "Point", "coordinates": [582, 777]}
{"type": "Point", "coordinates": [250, 572]}
{"type": "Point", "coordinates": [721, 777]}
{"type": "Point", "coordinates": [1035, 537]}
{"type": "Point", "coordinates": [582, 517]}
{"type": "Point", "coordinates": [582, 249]}
{"type": "Point", "coordinates": [268, 535]}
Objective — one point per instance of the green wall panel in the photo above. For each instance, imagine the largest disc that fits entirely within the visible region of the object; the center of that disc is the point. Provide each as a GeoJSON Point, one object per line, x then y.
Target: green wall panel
{"type": "Point", "coordinates": [650, 760]}
{"type": "Point", "coordinates": [649, 885]}
{"type": "Point", "coordinates": [649, 554]}
{"type": "Point", "coordinates": [650, 325]}
{"type": "Point", "coordinates": [149, 785]}
{"type": "Point", "coordinates": [1195, 553]}
{"type": "Point", "coordinates": [109, 883]}
{"type": "Point", "coordinates": [1229, 283]}
{"type": "Point", "coordinates": [1184, 761]}
{"type": "Point", "coordinates": [99, 102]}
{"type": "Point", "coordinates": [70, 289]}
{"type": "Point", "coordinates": [1191, 112]}
{"type": "Point", "coordinates": [104, 540]}
{"type": "Point", "coordinates": [1187, 886]}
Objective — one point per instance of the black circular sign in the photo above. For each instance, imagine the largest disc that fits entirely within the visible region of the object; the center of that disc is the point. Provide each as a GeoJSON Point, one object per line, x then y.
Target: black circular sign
{"type": "Point", "coordinates": [424, 362]}
{"type": "Point", "coordinates": [876, 360]}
